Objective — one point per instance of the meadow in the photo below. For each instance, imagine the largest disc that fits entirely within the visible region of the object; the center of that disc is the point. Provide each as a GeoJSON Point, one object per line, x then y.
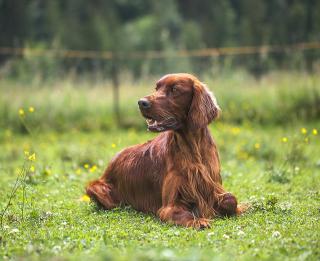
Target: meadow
{"type": "Point", "coordinates": [56, 137]}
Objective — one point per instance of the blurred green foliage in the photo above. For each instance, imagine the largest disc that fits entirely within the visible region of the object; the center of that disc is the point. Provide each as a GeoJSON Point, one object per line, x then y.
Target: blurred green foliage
{"type": "Point", "coordinates": [123, 26]}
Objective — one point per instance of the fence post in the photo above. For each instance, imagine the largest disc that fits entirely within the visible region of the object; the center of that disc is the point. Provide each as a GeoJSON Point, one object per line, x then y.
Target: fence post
{"type": "Point", "coordinates": [115, 88]}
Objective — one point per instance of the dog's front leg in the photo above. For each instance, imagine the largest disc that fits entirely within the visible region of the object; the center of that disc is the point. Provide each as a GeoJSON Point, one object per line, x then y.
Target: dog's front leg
{"type": "Point", "coordinates": [173, 210]}
{"type": "Point", "coordinates": [180, 216]}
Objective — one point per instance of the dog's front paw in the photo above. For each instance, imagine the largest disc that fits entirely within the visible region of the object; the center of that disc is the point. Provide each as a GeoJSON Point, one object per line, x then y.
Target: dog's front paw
{"type": "Point", "coordinates": [242, 208]}
{"type": "Point", "coordinates": [199, 223]}
{"type": "Point", "coordinates": [228, 205]}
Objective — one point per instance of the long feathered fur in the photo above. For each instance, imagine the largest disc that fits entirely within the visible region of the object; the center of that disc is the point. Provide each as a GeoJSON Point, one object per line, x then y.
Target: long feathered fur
{"type": "Point", "coordinates": [176, 175]}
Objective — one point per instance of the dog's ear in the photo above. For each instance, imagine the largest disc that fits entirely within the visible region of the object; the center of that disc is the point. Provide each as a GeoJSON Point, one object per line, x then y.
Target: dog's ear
{"type": "Point", "coordinates": [204, 108]}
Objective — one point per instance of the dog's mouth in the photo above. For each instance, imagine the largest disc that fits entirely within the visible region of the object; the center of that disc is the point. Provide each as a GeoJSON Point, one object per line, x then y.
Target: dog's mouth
{"type": "Point", "coordinates": [157, 125]}
{"type": "Point", "coordinates": [154, 125]}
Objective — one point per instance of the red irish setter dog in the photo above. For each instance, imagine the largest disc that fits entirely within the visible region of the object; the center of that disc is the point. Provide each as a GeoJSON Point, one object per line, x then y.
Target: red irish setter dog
{"type": "Point", "coordinates": [176, 175]}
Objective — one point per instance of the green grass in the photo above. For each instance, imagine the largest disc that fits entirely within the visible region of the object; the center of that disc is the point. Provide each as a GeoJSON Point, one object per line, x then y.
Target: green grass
{"type": "Point", "coordinates": [279, 179]}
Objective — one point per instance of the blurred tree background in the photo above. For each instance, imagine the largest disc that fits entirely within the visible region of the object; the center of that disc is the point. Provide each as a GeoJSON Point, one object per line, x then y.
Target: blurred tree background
{"type": "Point", "coordinates": [125, 26]}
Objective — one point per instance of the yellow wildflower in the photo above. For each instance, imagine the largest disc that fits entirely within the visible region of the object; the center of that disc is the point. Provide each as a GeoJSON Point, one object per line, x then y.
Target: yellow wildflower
{"type": "Point", "coordinates": [78, 171]}
{"type": "Point", "coordinates": [21, 112]}
{"type": "Point", "coordinates": [257, 146]}
{"type": "Point", "coordinates": [86, 166]}
{"type": "Point", "coordinates": [113, 145]}
{"type": "Point", "coordinates": [31, 109]}
{"type": "Point", "coordinates": [32, 168]}
{"type": "Point", "coordinates": [93, 168]}
{"type": "Point", "coordinates": [32, 157]}
{"type": "Point", "coordinates": [235, 130]}
{"type": "Point", "coordinates": [85, 198]}
{"type": "Point", "coordinates": [314, 132]}
{"type": "Point", "coordinates": [284, 139]}
{"type": "Point", "coordinates": [304, 131]}
{"type": "Point", "coordinates": [26, 153]}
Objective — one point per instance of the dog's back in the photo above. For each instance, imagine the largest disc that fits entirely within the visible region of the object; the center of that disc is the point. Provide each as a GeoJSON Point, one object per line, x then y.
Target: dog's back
{"type": "Point", "coordinates": [136, 174]}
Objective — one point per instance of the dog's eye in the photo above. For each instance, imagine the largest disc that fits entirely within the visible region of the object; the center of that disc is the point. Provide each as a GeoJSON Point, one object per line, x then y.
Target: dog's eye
{"type": "Point", "coordinates": [174, 88]}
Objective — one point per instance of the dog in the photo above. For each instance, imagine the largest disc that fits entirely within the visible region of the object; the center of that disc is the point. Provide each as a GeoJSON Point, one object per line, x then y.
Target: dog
{"type": "Point", "coordinates": [175, 176]}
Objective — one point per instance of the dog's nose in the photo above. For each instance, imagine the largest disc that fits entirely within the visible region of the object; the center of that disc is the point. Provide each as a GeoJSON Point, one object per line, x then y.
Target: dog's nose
{"type": "Point", "coordinates": [144, 103]}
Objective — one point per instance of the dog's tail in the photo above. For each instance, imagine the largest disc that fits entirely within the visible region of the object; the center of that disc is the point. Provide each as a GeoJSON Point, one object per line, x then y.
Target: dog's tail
{"type": "Point", "coordinates": [100, 192]}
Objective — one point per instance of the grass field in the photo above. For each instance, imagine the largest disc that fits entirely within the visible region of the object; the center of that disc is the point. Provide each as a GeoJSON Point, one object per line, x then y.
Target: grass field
{"type": "Point", "coordinates": [270, 158]}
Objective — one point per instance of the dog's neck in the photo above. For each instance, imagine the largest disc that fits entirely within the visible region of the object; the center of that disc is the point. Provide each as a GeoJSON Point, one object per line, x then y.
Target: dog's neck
{"type": "Point", "coordinates": [194, 143]}
{"type": "Point", "coordinates": [198, 147]}
{"type": "Point", "coordinates": [194, 138]}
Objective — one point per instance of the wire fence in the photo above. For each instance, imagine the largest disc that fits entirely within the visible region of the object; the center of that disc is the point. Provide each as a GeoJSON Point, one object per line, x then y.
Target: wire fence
{"type": "Point", "coordinates": [208, 52]}
{"type": "Point", "coordinates": [142, 63]}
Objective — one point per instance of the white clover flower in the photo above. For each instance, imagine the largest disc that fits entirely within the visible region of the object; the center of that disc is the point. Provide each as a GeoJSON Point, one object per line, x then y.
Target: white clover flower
{"type": "Point", "coordinates": [13, 231]}
{"type": "Point", "coordinates": [241, 233]}
{"type": "Point", "coordinates": [276, 234]}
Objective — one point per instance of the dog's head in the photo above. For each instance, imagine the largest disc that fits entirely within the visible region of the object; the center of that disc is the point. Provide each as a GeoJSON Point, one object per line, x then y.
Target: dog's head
{"type": "Point", "coordinates": [180, 101]}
